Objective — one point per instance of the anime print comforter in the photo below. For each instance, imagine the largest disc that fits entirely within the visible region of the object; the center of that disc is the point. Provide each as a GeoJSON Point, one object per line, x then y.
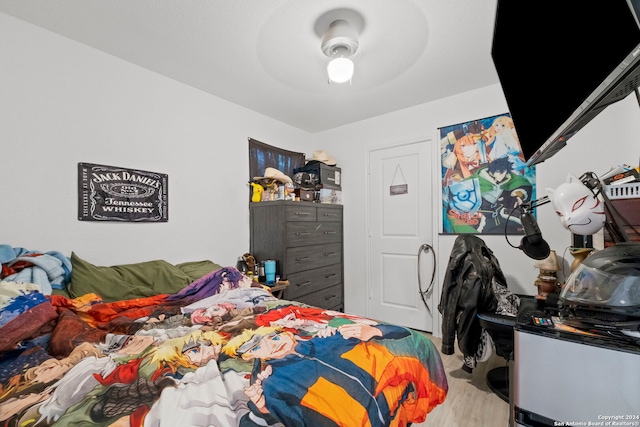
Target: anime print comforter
{"type": "Point", "coordinates": [218, 353]}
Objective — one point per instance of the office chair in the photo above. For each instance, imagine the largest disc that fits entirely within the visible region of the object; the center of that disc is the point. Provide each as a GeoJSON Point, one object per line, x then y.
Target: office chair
{"type": "Point", "coordinates": [500, 328]}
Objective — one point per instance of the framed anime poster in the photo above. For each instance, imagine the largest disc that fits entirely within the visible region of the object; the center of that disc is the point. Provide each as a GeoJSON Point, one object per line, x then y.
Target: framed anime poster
{"type": "Point", "coordinates": [484, 177]}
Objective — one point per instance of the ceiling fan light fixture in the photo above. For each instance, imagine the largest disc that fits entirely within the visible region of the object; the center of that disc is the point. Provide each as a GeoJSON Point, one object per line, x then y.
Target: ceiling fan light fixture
{"type": "Point", "coordinates": [340, 70]}
{"type": "Point", "coordinates": [340, 43]}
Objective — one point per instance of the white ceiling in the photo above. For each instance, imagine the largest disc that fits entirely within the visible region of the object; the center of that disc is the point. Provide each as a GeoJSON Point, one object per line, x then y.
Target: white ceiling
{"type": "Point", "coordinates": [265, 54]}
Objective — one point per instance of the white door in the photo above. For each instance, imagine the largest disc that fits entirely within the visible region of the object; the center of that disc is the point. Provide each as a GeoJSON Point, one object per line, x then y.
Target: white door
{"type": "Point", "coordinates": [400, 235]}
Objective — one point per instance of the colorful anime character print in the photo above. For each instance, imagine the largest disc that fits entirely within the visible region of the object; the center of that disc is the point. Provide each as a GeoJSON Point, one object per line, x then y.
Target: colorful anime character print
{"type": "Point", "coordinates": [484, 177]}
{"type": "Point", "coordinates": [502, 139]}
{"type": "Point", "coordinates": [330, 380]}
{"type": "Point", "coordinates": [122, 388]}
{"type": "Point", "coordinates": [307, 322]}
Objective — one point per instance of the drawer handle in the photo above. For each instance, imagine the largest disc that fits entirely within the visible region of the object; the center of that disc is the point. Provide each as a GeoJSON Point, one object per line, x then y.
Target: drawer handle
{"type": "Point", "coordinates": [329, 253]}
{"type": "Point", "coordinates": [330, 297]}
{"type": "Point", "coordinates": [303, 213]}
{"type": "Point", "coordinates": [326, 276]}
{"type": "Point", "coordinates": [303, 258]}
{"type": "Point", "coordinates": [299, 233]}
{"type": "Point", "coordinates": [330, 232]}
{"type": "Point", "coordinates": [330, 214]}
{"type": "Point", "coordinates": [304, 283]}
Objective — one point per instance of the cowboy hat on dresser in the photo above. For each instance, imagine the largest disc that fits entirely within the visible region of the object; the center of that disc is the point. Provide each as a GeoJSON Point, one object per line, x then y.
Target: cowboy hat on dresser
{"type": "Point", "coordinates": [322, 157]}
{"type": "Point", "coordinates": [275, 174]}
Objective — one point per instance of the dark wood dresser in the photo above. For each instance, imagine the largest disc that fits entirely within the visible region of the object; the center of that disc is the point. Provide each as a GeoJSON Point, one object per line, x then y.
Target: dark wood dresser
{"type": "Point", "coordinates": [305, 239]}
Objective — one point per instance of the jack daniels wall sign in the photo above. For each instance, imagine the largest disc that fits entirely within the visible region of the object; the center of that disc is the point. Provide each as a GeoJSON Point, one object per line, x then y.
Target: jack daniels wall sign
{"type": "Point", "coordinates": [109, 193]}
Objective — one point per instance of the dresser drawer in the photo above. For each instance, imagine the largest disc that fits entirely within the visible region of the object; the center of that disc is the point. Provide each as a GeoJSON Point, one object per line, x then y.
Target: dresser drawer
{"type": "Point", "coordinates": [329, 214]}
{"type": "Point", "coordinates": [304, 258]}
{"type": "Point", "coordinates": [303, 212]}
{"type": "Point", "coordinates": [339, 308]}
{"type": "Point", "coordinates": [310, 281]}
{"type": "Point", "coordinates": [328, 298]}
{"type": "Point", "coordinates": [317, 233]}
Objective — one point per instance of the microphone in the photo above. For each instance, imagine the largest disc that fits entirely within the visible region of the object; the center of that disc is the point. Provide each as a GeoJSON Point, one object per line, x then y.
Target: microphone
{"type": "Point", "coordinates": [532, 244]}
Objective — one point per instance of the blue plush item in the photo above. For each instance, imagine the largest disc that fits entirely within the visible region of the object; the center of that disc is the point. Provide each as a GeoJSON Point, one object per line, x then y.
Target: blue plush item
{"type": "Point", "coordinates": [6, 254]}
{"type": "Point", "coordinates": [61, 281]}
{"type": "Point", "coordinates": [50, 270]}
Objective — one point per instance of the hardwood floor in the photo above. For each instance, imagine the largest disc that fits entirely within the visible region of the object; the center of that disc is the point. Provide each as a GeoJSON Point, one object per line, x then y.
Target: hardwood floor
{"type": "Point", "coordinates": [470, 402]}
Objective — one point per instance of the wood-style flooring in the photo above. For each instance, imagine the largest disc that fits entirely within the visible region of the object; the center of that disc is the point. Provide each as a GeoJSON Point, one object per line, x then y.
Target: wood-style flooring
{"type": "Point", "coordinates": [470, 402]}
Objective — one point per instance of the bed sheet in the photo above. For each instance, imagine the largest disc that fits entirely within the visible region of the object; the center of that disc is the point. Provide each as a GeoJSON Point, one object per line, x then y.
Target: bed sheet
{"type": "Point", "coordinates": [221, 352]}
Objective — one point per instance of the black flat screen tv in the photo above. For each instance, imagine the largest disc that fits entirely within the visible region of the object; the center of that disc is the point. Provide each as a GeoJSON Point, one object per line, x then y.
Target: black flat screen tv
{"type": "Point", "coordinates": [561, 63]}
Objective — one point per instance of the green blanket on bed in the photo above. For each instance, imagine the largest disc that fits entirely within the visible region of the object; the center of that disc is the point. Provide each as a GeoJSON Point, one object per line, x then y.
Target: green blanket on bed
{"type": "Point", "coordinates": [128, 281]}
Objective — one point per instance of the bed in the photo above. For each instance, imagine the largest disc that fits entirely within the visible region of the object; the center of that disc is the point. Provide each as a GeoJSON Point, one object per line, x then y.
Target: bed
{"type": "Point", "coordinates": [195, 344]}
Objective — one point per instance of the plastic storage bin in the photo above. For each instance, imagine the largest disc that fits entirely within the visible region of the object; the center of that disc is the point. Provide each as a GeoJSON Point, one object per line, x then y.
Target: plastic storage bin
{"type": "Point", "coordinates": [630, 190]}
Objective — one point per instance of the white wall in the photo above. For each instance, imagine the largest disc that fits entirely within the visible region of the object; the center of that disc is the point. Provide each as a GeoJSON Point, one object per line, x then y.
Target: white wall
{"type": "Point", "coordinates": [62, 103]}
{"type": "Point", "coordinates": [609, 140]}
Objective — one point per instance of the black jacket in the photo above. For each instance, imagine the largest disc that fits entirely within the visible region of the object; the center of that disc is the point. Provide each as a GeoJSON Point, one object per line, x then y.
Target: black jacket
{"type": "Point", "coordinates": [466, 291]}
